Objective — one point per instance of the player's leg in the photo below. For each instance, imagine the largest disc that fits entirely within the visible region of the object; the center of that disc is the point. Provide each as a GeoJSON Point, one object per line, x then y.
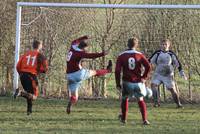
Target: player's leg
{"type": "Point", "coordinates": [156, 96]}
{"type": "Point", "coordinates": [29, 106]}
{"type": "Point", "coordinates": [175, 97]}
{"type": "Point", "coordinates": [155, 82]}
{"type": "Point", "coordinates": [124, 108]}
{"type": "Point", "coordinates": [27, 82]}
{"type": "Point", "coordinates": [170, 84]}
{"type": "Point", "coordinates": [124, 101]}
{"type": "Point", "coordinates": [143, 110]}
{"type": "Point", "coordinates": [73, 95]}
{"type": "Point", "coordinates": [73, 98]}
{"type": "Point", "coordinates": [102, 72]}
{"type": "Point", "coordinates": [75, 79]}
{"type": "Point", "coordinates": [139, 93]}
{"type": "Point", "coordinates": [34, 92]}
{"type": "Point", "coordinates": [74, 82]}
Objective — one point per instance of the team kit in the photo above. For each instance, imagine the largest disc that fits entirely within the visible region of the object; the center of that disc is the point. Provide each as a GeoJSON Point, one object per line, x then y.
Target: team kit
{"type": "Point", "coordinates": [132, 70]}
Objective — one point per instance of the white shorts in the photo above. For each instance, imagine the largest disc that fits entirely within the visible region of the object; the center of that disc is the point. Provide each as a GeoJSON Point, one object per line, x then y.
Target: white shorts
{"type": "Point", "coordinates": [168, 81]}
{"type": "Point", "coordinates": [75, 79]}
{"type": "Point", "coordinates": [134, 89]}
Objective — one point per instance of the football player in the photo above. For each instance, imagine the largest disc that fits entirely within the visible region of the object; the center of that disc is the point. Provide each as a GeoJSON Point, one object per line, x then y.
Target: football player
{"type": "Point", "coordinates": [29, 66]}
{"type": "Point", "coordinates": [165, 62]}
{"type": "Point", "coordinates": [75, 73]}
{"type": "Point", "coordinates": [131, 63]}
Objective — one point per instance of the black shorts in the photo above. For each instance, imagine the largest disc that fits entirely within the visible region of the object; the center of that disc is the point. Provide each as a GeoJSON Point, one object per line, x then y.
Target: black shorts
{"type": "Point", "coordinates": [29, 83]}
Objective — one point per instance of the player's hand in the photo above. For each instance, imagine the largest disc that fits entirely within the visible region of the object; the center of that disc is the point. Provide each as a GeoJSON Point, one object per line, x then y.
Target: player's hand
{"type": "Point", "coordinates": [185, 77]}
{"type": "Point", "coordinates": [182, 74]}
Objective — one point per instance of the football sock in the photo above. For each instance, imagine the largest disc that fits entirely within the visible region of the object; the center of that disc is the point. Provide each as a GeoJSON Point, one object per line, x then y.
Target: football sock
{"type": "Point", "coordinates": [29, 105]}
{"type": "Point", "coordinates": [73, 99]}
{"type": "Point", "coordinates": [124, 108]}
{"type": "Point", "coordinates": [102, 72]}
{"type": "Point", "coordinates": [26, 95]}
{"type": "Point", "coordinates": [143, 109]}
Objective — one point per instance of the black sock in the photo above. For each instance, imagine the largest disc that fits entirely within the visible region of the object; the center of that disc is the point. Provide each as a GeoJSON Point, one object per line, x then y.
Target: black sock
{"type": "Point", "coordinates": [29, 105]}
{"type": "Point", "coordinates": [26, 95]}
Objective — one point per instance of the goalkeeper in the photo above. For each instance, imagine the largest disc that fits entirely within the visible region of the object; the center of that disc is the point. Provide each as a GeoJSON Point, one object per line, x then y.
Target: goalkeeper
{"type": "Point", "coordinates": [75, 74]}
{"type": "Point", "coordinates": [165, 62]}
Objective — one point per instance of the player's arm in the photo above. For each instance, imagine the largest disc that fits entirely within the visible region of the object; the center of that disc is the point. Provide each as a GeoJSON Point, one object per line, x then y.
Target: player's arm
{"type": "Point", "coordinates": [77, 41]}
{"type": "Point", "coordinates": [42, 64]}
{"type": "Point", "coordinates": [45, 66]}
{"type": "Point", "coordinates": [178, 64]}
{"type": "Point", "coordinates": [18, 67]}
{"type": "Point", "coordinates": [153, 57]}
{"type": "Point", "coordinates": [83, 54]}
{"type": "Point", "coordinates": [175, 61]}
{"type": "Point", "coordinates": [147, 67]}
{"type": "Point", "coordinates": [118, 68]}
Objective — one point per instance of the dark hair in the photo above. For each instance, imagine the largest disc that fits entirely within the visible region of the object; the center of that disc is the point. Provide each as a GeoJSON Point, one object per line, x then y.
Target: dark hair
{"type": "Point", "coordinates": [36, 44]}
{"type": "Point", "coordinates": [82, 44]}
{"type": "Point", "coordinates": [132, 42]}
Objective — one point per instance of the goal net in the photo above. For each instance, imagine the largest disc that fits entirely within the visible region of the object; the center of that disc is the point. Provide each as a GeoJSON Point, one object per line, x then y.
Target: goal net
{"type": "Point", "coordinates": [109, 26]}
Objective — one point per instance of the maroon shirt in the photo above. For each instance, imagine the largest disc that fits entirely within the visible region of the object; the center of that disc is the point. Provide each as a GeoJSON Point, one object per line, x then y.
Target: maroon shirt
{"type": "Point", "coordinates": [74, 57]}
{"type": "Point", "coordinates": [131, 62]}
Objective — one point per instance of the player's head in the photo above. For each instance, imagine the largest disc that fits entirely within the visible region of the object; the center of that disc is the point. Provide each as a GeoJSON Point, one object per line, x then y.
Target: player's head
{"type": "Point", "coordinates": [37, 45]}
{"type": "Point", "coordinates": [165, 44]}
{"type": "Point", "coordinates": [82, 45]}
{"type": "Point", "coordinates": [133, 42]}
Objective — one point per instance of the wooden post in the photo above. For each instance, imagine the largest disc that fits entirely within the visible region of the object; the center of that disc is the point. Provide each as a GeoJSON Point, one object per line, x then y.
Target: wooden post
{"type": "Point", "coordinates": [189, 84]}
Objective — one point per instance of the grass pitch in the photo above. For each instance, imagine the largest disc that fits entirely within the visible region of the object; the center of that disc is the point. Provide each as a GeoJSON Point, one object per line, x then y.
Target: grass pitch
{"type": "Point", "coordinates": [95, 117]}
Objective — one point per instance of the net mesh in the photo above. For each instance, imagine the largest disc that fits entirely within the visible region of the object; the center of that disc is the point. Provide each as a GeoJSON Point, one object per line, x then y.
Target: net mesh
{"type": "Point", "coordinates": [110, 29]}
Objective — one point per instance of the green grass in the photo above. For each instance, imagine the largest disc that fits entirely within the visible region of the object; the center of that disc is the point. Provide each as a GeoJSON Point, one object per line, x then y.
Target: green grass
{"type": "Point", "coordinates": [94, 117]}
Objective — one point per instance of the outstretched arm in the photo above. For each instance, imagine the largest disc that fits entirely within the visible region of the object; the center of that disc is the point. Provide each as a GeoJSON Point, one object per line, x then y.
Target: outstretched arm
{"type": "Point", "coordinates": [92, 55]}
{"type": "Point", "coordinates": [177, 64]}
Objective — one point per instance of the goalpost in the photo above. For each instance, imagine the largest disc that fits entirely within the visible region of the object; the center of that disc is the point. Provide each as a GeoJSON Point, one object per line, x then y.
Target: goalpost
{"type": "Point", "coordinates": [138, 17]}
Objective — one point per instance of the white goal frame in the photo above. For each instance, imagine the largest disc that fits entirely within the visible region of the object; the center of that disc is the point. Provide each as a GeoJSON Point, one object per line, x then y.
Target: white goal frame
{"type": "Point", "coordinates": [78, 5]}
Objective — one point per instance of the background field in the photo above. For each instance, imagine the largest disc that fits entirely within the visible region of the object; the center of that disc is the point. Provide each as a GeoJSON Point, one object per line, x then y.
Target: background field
{"type": "Point", "coordinates": [94, 117]}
